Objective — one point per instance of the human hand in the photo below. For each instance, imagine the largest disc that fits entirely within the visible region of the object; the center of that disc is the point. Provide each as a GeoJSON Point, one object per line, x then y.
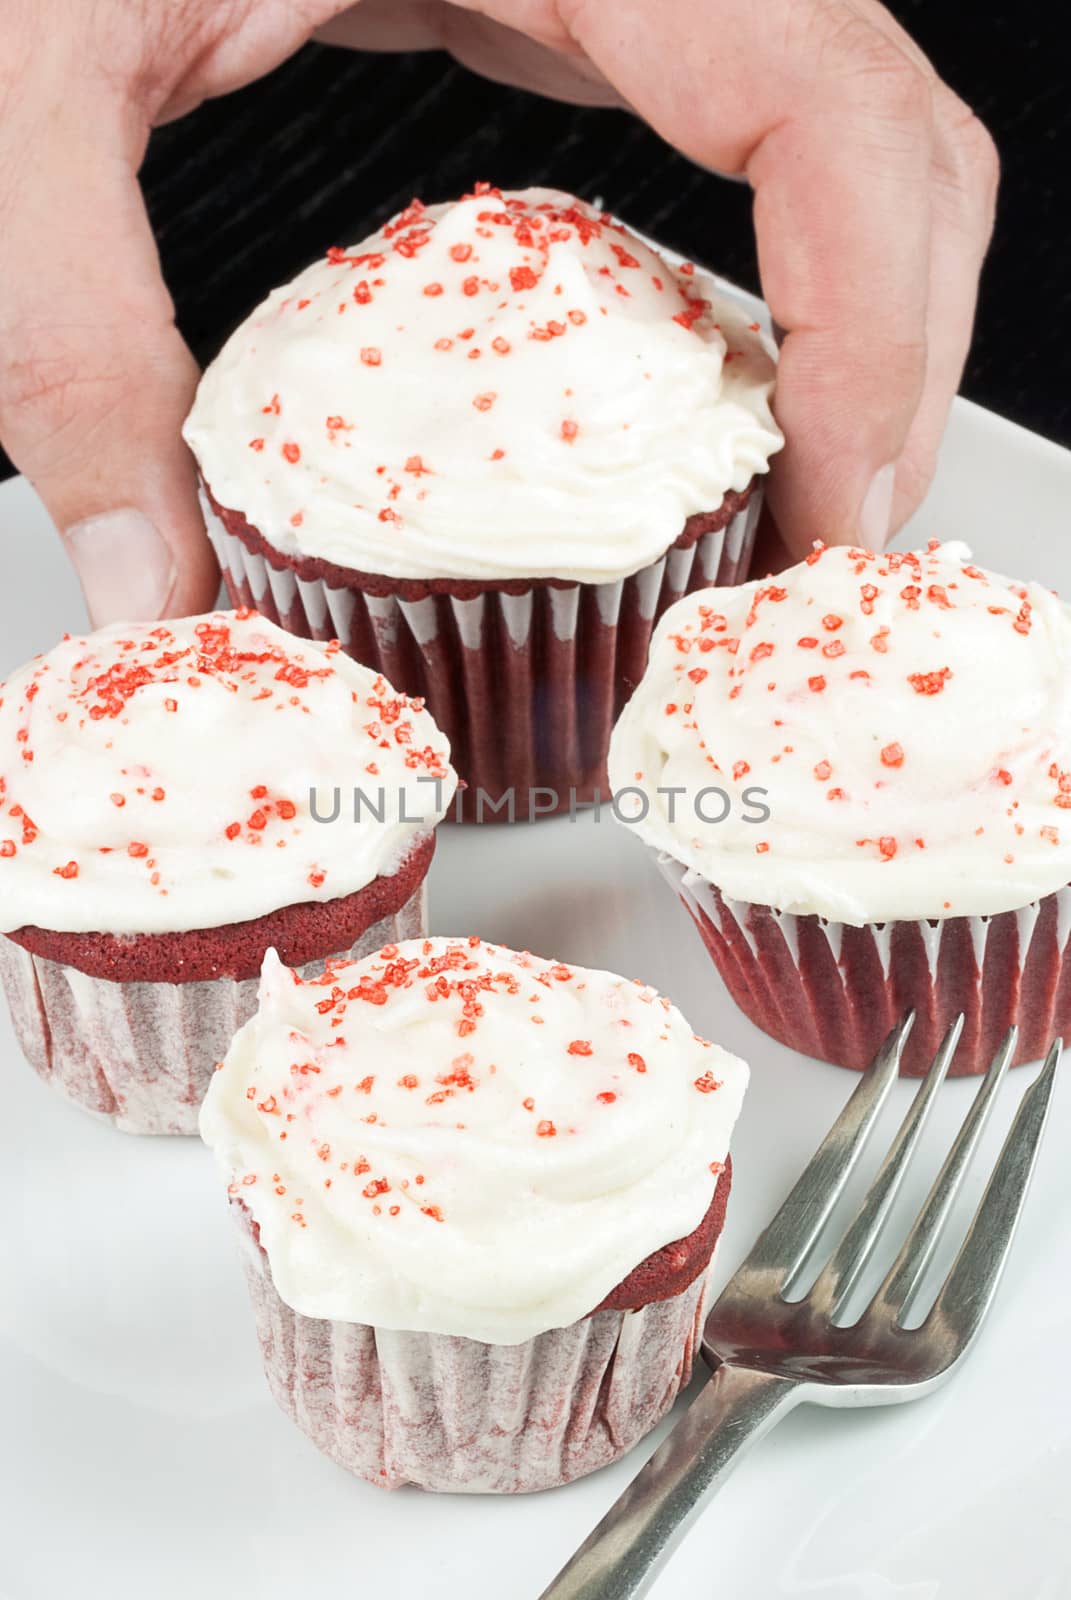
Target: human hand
{"type": "Point", "coordinates": [874, 192]}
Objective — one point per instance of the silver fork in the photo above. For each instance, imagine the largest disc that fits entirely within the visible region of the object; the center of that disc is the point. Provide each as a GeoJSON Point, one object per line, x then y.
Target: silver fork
{"type": "Point", "coordinates": [770, 1353]}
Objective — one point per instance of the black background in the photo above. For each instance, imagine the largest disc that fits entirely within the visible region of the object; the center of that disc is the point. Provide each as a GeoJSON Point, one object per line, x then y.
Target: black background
{"type": "Point", "coordinates": [248, 189]}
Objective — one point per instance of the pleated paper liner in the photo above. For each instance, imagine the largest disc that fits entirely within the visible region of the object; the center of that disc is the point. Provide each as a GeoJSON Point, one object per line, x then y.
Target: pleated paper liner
{"type": "Point", "coordinates": [461, 1416]}
{"type": "Point", "coordinates": [141, 1055]}
{"type": "Point", "coordinates": [833, 991]}
{"type": "Point", "coordinates": [526, 686]}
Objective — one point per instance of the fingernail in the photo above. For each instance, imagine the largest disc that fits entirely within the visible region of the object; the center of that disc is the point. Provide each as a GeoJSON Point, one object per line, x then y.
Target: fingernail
{"type": "Point", "coordinates": [875, 515]}
{"type": "Point", "coordinates": [125, 566]}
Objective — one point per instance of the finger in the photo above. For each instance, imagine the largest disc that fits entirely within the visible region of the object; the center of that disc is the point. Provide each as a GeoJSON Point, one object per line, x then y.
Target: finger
{"type": "Point", "coordinates": [832, 122]}
{"type": "Point", "coordinates": [533, 54]}
{"type": "Point", "coordinates": [385, 25]}
{"type": "Point", "coordinates": [964, 188]}
{"type": "Point", "coordinates": [965, 174]}
{"type": "Point", "coordinates": [94, 378]}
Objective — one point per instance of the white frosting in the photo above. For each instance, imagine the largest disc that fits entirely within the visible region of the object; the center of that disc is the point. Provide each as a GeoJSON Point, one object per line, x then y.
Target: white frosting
{"type": "Point", "coordinates": [468, 1141]}
{"type": "Point", "coordinates": [511, 386]}
{"type": "Point", "coordinates": [161, 777]}
{"type": "Point", "coordinates": [908, 715]}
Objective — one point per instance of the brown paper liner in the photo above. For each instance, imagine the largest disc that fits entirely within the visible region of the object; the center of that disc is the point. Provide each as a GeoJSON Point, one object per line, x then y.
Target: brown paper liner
{"type": "Point", "coordinates": [834, 992]}
{"type": "Point", "coordinates": [141, 1055]}
{"type": "Point", "coordinates": [526, 685]}
{"type": "Point", "coordinates": [460, 1416]}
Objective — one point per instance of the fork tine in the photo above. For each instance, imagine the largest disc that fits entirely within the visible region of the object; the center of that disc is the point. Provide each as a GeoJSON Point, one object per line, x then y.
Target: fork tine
{"type": "Point", "coordinates": [970, 1286]}
{"type": "Point", "coordinates": [783, 1247]}
{"type": "Point", "coordinates": [837, 1279]}
{"type": "Point", "coordinates": [904, 1278]}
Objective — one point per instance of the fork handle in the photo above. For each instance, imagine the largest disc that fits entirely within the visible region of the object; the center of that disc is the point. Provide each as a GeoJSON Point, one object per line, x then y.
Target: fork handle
{"type": "Point", "coordinates": [623, 1555]}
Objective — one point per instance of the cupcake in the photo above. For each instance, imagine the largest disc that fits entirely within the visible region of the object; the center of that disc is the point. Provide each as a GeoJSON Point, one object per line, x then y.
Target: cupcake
{"type": "Point", "coordinates": [487, 447]}
{"type": "Point", "coordinates": [478, 1194]}
{"type": "Point", "coordinates": [857, 776]}
{"type": "Point", "coordinates": [176, 798]}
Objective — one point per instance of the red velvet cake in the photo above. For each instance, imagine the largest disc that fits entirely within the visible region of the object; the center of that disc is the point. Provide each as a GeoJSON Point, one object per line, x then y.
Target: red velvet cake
{"type": "Point", "coordinates": [528, 1140]}
{"type": "Point", "coordinates": [857, 777]}
{"type": "Point", "coordinates": [160, 831]}
{"type": "Point", "coordinates": [487, 448]}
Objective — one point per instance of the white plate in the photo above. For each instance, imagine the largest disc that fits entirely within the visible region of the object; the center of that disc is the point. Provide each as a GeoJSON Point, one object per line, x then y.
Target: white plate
{"type": "Point", "coordinates": [140, 1454]}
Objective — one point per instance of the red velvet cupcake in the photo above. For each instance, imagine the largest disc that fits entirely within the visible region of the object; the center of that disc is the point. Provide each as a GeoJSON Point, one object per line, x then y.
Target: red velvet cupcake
{"type": "Point", "coordinates": [487, 448]}
{"type": "Point", "coordinates": [487, 1269]}
{"type": "Point", "coordinates": [166, 802]}
{"type": "Point", "coordinates": [857, 776]}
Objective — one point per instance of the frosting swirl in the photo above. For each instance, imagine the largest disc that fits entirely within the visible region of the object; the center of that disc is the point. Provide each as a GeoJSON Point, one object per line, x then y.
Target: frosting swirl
{"type": "Point", "coordinates": [510, 386]}
{"type": "Point", "coordinates": [452, 1137]}
{"type": "Point", "coordinates": [906, 716]}
{"type": "Point", "coordinates": [163, 777]}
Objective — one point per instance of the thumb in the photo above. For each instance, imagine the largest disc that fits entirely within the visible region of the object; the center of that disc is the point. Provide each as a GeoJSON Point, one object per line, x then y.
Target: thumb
{"type": "Point", "coordinates": [95, 379]}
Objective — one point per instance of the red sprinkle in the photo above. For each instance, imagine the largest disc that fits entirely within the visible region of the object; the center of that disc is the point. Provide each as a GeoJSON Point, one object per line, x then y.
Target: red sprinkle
{"type": "Point", "coordinates": [929, 682]}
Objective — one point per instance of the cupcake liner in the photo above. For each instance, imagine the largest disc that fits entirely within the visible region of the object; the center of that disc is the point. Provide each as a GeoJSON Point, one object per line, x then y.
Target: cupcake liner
{"type": "Point", "coordinates": [459, 1416]}
{"type": "Point", "coordinates": [834, 991]}
{"type": "Point", "coordinates": [141, 1055]}
{"type": "Point", "coordinates": [526, 686]}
